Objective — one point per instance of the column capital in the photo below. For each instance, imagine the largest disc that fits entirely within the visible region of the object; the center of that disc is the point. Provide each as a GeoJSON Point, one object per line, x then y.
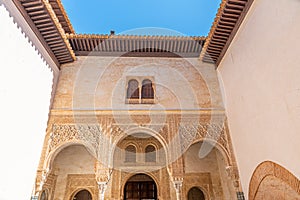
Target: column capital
{"type": "Point", "coordinates": [102, 187]}
{"type": "Point", "coordinates": [177, 183]}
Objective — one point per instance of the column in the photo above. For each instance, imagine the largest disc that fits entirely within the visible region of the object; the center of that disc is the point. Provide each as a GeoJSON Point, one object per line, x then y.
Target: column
{"type": "Point", "coordinates": [102, 188]}
{"type": "Point", "coordinates": [177, 182]}
{"type": "Point", "coordinates": [232, 173]}
{"type": "Point", "coordinates": [103, 175]}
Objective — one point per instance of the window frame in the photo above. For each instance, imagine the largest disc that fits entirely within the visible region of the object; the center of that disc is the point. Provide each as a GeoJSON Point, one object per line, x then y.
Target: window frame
{"type": "Point", "coordinates": [141, 99]}
{"type": "Point", "coordinates": [130, 94]}
{"type": "Point", "coordinates": [147, 154]}
{"type": "Point", "coordinates": [130, 156]}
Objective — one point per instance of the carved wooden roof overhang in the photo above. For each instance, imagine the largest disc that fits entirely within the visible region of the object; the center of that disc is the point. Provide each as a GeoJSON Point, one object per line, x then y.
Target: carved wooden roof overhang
{"type": "Point", "coordinates": [42, 18]}
{"type": "Point", "coordinates": [135, 45]}
{"type": "Point", "coordinates": [227, 22]}
{"type": "Point", "coordinates": [62, 15]}
{"type": "Point", "coordinates": [52, 26]}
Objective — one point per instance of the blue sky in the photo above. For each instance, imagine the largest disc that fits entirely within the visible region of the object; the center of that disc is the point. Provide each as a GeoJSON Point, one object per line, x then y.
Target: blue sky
{"type": "Point", "coordinates": [189, 17]}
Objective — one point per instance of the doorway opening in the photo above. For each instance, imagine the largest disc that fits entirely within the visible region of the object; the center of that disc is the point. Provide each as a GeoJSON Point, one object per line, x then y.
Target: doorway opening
{"type": "Point", "coordinates": [195, 194]}
{"type": "Point", "coordinates": [83, 195]}
{"type": "Point", "coordinates": [140, 187]}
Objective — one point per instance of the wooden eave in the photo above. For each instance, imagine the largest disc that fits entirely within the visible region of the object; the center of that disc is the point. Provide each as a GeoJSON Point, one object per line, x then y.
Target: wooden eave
{"type": "Point", "coordinates": [62, 15]}
{"type": "Point", "coordinates": [42, 19]}
{"type": "Point", "coordinates": [226, 24]}
{"type": "Point", "coordinates": [135, 45]}
{"type": "Point", "coordinates": [49, 21]}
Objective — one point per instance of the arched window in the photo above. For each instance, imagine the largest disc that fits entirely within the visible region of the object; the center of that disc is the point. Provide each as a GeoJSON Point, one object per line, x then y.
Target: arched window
{"type": "Point", "coordinates": [83, 195]}
{"type": "Point", "coordinates": [44, 196]}
{"type": "Point", "coordinates": [130, 154]}
{"type": "Point", "coordinates": [133, 89]}
{"type": "Point", "coordinates": [195, 194]}
{"type": "Point", "coordinates": [147, 89]}
{"type": "Point", "coordinates": [150, 154]}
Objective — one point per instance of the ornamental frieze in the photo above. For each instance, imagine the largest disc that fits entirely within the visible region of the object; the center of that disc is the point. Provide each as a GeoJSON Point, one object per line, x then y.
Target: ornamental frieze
{"type": "Point", "coordinates": [74, 133]}
{"type": "Point", "coordinates": [190, 132]}
{"type": "Point", "coordinates": [101, 139]}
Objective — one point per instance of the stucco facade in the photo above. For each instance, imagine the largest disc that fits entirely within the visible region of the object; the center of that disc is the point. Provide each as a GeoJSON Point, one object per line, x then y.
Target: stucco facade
{"type": "Point", "coordinates": [156, 117]}
{"type": "Point", "coordinates": [91, 109]}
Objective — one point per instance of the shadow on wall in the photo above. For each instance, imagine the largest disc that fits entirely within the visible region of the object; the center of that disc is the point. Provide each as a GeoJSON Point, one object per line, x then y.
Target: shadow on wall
{"type": "Point", "coordinates": [271, 181]}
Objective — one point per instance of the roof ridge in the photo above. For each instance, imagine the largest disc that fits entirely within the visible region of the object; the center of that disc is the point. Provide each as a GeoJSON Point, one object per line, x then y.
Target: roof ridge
{"type": "Point", "coordinates": [125, 36]}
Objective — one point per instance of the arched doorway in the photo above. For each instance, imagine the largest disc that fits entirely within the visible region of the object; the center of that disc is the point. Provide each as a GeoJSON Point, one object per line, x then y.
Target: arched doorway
{"type": "Point", "coordinates": [83, 195]}
{"type": "Point", "coordinates": [139, 187]}
{"type": "Point", "coordinates": [210, 169]}
{"type": "Point", "coordinates": [195, 194]}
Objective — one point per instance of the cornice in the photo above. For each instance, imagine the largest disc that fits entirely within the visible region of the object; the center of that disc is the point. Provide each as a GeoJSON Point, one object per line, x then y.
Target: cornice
{"type": "Point", "coordinates": [136, 45]}
{"type": "Point", "coordinates": [58, 112]}
{"type": "Point", "coordinates": [158, 37]}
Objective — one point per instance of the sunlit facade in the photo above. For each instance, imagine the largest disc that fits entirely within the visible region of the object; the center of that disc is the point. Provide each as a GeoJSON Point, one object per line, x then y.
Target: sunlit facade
{"type": "Point", "coordinates": [170, 117]}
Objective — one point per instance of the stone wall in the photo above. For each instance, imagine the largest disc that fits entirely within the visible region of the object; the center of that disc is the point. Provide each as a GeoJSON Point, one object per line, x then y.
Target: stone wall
{"type": "Point", "coordinates": [100, 83]}
{"type": "Point", "coordinates": [91, 110]}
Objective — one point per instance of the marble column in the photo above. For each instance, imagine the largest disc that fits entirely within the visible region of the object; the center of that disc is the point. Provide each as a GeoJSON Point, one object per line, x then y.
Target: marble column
{"type": "Point", "coordinates": [102, 188]}
{"type": "Point", "coordinates": [177, 182]}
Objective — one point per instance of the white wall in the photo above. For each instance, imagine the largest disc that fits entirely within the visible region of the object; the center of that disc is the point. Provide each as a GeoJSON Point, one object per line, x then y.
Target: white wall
{"type": "Point", "coordinates": [25, 87]}
{"type": "Point", "coordinates": [260, 74]}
